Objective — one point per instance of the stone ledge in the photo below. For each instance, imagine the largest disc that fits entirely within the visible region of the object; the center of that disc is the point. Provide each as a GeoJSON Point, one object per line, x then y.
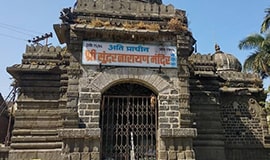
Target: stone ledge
{"type": "Point", "coordinates": [36, 145]}
{"type": "Point", "coordinates": [79, 133]}
{"type": "Point", "coordinates": [4, 148]}
{"type": "Point", "coordinates": [181, 132]}
{"type": "Point", "coordinates": [35, 154]}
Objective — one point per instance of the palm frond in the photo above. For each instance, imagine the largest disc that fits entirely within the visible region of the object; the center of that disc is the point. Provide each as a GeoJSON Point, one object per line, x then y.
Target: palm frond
{"type": "Point", "coordinates": [258, 62]}
{"type": "Point", "coordinates": [249, 63]}
{"type": "Point", "coordinates": [266, 22]}
{"type": "Point", "coordinates": [265, 25]}
{"type": "Point", "coordinates": [251, 42]}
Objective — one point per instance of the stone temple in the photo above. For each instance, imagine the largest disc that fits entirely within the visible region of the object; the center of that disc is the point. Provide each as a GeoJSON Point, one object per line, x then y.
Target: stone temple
{"type": "Point", "coordinates": [128, 86]}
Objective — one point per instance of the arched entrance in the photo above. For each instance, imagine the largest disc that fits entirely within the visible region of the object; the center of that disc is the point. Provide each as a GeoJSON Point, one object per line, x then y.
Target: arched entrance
{"type": "Point", "coordinates": [128, 122]}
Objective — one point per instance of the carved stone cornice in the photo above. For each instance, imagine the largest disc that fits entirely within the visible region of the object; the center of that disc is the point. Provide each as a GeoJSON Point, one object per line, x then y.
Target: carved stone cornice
{"type": "Point", "coordinates": [202, 64]}
{"type": "Point", "coordinates": [177, 133]}
{"type": "Point", "coordinates": [79, 133]}
{"type": "Point", "coordinates": [134, 9]}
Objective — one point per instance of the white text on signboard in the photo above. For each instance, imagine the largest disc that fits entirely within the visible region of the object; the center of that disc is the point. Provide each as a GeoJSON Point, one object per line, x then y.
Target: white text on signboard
{"type": "Point", "coordinates": [121, 54]}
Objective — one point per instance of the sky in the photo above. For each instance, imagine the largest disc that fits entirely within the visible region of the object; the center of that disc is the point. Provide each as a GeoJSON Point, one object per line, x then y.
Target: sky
{"type": "Point", "coordinates": [224, 22]}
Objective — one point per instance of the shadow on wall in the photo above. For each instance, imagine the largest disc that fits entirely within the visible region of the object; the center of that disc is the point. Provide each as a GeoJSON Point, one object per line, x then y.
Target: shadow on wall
{"type": "Point", "coordinates": [241, 119]}
{"type": "Point", "coordinates": [3, 120]}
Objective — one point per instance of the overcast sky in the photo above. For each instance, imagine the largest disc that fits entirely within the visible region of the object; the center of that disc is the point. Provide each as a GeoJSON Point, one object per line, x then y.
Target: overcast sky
{"type": "Point", "coordinates": [210, 21]}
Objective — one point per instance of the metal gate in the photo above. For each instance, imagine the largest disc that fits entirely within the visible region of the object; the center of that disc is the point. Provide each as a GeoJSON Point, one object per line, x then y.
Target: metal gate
{"type": "Point", "coordinates": [128, 126]}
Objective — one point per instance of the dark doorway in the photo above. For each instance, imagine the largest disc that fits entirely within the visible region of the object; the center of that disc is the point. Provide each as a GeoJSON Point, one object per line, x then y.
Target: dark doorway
{"type": "Point", "coordinates": [128, 123]}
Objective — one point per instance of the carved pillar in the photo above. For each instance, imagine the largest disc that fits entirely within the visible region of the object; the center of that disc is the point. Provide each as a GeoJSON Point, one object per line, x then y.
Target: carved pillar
{"type": "Point", "coordinates": [81, 143]}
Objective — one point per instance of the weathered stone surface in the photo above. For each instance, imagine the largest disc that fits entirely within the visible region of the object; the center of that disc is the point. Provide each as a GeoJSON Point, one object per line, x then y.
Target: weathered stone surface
{"type": "Point", "coordinates": [85, 156]}
{"type": "Point", "coordinates": [181, 132]}
{"type": "Point", "coordinates": [44, 155]}
{"type": "Point", "coordinates": [79, 133]}
{"type": "Point", "coordinates": [75, 156]}
{"type": "Point", "coordinates": [95, 156]}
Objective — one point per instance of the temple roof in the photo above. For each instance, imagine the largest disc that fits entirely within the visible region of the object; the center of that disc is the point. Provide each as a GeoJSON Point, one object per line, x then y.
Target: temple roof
{"type": "Point", "coordinates": [225, 66]}
{"type": "Point", "coordinates": [226, 61]}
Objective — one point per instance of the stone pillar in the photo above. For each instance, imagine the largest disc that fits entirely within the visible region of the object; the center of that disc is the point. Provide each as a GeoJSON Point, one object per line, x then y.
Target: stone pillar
{"type": "Point", "coordinates": [81, 144]}
{"type": "Point", "coordinates": [176, 144]}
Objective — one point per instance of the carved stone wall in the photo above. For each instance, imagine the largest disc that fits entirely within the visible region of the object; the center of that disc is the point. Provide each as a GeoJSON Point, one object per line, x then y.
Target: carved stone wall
{"type": "Point", "coordinates": [230, 122]}
{"type": "Point", "coordinates": [205, 100]}
{"type": "Point", "coordinates": [244, 128]}
{"type": "Point", "coordinates": [202, 113]}
{"type": "Point", "coordinates": [41, 104]}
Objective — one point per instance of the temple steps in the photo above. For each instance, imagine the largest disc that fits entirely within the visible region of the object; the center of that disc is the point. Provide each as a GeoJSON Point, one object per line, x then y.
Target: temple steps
{"type": "Point", "coordinates": [35, 139]}
{"type": "Point", "coordinates": [48, 145]}
{"type": "Point", "coordinates": [37, 129]}
{"type": "Point", "coordinates": [38, 124]}
{"type": "Point", "coordinates": [43, 119]}
{"type": "Point", "coordinates": [25, 132]}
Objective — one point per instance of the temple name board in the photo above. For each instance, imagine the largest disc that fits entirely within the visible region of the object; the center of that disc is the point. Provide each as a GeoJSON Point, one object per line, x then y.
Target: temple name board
{"type": "Point", "coordinates": [123, 54]}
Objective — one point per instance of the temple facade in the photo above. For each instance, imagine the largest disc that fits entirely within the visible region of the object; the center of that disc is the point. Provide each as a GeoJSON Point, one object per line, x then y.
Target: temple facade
{"type": "Point", "coordinates": [128, 86]}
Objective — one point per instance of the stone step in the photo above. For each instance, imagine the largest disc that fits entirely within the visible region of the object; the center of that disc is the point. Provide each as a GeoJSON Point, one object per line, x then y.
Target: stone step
{"type": "Point", "coordinates": [24, 139]}
{"type": "Point", "coordinates": [50, 145]}
{"type": "Point", "coordinates": [34, 132]}
{"type": "Point", "coordinates": [38, 106]}
{"type": "Point", "coordinates": [35, 124]}
{"type": "Point", "coordinates": [37, 112]}
{"type": "Point", "coordinates": [38, 118]}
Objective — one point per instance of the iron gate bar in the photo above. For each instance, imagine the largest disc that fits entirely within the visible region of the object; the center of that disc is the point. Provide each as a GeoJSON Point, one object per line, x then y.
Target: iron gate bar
{"type": "Point", "coordinates": [121, 115]}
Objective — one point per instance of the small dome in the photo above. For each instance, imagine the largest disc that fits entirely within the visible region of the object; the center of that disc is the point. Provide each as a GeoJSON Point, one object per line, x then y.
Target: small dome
{"type": "Point", "coordinates": [226, 61]}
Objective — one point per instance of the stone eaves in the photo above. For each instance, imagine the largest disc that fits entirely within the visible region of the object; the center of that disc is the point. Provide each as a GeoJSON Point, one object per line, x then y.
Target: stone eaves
{"type": "Point", "coordinates": [17, 69]}
{"type": "Point", "coordinates": [115, 29]}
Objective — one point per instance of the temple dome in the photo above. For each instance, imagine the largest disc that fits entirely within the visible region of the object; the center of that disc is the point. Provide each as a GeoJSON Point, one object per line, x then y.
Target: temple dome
{"type": "Point", "coordinates": [226, 61]}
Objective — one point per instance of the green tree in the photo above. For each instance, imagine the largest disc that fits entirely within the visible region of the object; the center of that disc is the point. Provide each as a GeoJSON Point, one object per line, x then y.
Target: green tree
{"type": "Point", "coordinates": [266, 22]}
{"type": "Point", "coordinates": [259, 60]}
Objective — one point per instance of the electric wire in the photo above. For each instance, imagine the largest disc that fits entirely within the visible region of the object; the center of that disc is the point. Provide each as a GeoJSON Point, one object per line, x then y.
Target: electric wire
{"type": "Point", "coordinates": [19, 28]}
{"type": "Point", "coordinates": [12, 37]}
{"type": "Point", "coordinates": [17, 31]}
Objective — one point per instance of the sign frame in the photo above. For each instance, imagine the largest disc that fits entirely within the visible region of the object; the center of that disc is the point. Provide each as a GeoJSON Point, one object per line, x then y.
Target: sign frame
{"type": "Point", "coordinates": [130, 55]}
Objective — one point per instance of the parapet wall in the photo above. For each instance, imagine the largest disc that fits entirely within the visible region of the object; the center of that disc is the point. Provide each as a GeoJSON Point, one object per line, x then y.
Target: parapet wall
{"type": "Point", "coordinates": [127, 8]}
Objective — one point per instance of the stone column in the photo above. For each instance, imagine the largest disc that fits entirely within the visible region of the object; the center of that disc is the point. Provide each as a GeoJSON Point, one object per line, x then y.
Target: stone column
{"type": "Point", "coordinates": [81, 144]}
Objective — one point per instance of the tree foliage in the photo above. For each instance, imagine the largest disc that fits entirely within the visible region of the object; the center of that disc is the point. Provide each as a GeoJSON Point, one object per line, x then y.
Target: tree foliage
{"type": "Point", "coordinates": [259, 60]}
{"type": "Point", "coordinates": [266, 22]}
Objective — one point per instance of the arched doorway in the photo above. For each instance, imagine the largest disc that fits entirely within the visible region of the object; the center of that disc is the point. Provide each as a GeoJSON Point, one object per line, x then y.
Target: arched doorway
{"type": "Point", "coordinates": [128, 122]}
